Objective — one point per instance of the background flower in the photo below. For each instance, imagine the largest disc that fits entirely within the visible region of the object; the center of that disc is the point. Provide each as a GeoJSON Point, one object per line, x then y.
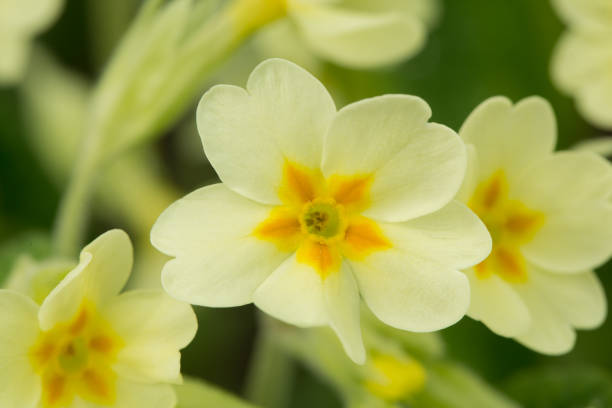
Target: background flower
{"type": "Point", "coordinates": [87, 344]}
{"type": "Point", "coordinates": [582, 62]}
{"type": "Point", "coordinates": [354, 33]}
{"type": "Point", "coordinates": [550, 218]}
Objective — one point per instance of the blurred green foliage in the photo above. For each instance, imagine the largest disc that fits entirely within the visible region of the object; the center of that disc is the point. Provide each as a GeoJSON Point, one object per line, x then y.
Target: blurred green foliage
{"type": "Point", "coordinates": [480, 48]}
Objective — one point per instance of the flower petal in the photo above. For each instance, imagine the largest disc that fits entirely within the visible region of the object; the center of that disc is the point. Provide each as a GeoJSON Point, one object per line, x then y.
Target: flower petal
{"type": "Point", "coordinates": [20, 387]}
{"type": "Point", "coordinates": [470, 181]}
{"type": "Point", "coordinates": [586, 14]}
{"type": "Point", "coordinates": [249, 134]}
{"type": "Point", "coordinates": [342, 301]}
{"type": "Point", "coordinates": [412, 293]}
{"type": "Point", "coordinates": [425, 10]}
{"type": "Point", "coordinates": [579, 298]}
{"type": "Point", "coordinates": [580, 67]}
{"type": "Point", "coordinates": [280, 39]}
{"type": "Point", "coordinates": [356, 38]}
{"type": "Point", "coordinates": [154, 327]}
{"type": "Point", "coordinates": [510, 137]}
{"type": "Point", "coordinates": [294, 294]}
{"type": "Point", "coordinates": [580, 58]}
{"type": "Point", "coordinates": [104, 267]}
{"type": "Point", "coordinates": [595, 101]}
{"type": "Point", "coordinates": [497, 305]}
{"type": "Point", "coordinates": [15, 57]}
{"type": "Point", "coordinates": [218, 260]}
{"type": "Point", "coordinates": [572, 189]}
{"type": "Point", "coordinates": [28, 16]}
{"type": "Point", "coordinates": [549, 333]}
{"type": "Point", "coordinates": [452, 236]}
{"type": "Point", "coordinates": [136, 395]}
{"type": "Point", "coordinates": [417, 167]}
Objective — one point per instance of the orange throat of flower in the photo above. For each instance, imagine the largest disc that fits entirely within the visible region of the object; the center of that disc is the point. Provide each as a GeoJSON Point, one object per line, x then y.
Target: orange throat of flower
{"type": "Point", "coordinates": [321, 219]}
{"type": "Point", "coordinates": [75, 359]}
{"type": "Point", "coordinates": [511, 225]}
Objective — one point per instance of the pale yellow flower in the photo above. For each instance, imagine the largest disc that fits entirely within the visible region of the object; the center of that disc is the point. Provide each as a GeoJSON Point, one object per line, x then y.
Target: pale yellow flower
{"type": "Point", "coordinates": [354, 33]}
{"type": "Point", "coordinates": [318, 206]}
{"type": "Point", "coordinates": [89, 346]}
{"type": "Point", "coordinates": [582, 62]}
{"type": "Point", "coordinates": [550, 218]}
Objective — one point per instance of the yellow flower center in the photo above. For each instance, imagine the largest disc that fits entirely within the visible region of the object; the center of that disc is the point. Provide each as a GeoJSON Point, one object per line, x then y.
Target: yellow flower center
{"type": "Point", "coordinates": [395, 379]}
{"type": "Point", "coordinates": [75, 359]}
{"type": "Point", "coordinates": [511, 225]}
{"type": "Point", "coordinates": [321, 219]}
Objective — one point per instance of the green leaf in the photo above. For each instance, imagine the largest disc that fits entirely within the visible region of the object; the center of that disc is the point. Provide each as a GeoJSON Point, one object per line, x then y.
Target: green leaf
{"type": "Point", "coordinates": [562, 387]}
{"type": "Point", "coordinates": [195, 393]}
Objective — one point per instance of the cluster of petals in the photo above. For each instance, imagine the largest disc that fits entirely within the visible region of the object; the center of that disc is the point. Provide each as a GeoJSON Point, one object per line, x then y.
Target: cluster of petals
{"type": "Point", "coordinates": [582, 63]}
{"type": "Point", "coordinates": [354, 33]}
{"type": "Point", "coordinates": [87, 345]}
{"type": "Point", "coordinates": [550, 218]}
{"type": "Point", "coordinates": [319, 208]}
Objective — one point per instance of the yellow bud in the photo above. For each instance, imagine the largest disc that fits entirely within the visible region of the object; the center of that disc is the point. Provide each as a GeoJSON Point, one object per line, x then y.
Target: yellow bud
{"type": "Point", "coordinates": [395, 378]}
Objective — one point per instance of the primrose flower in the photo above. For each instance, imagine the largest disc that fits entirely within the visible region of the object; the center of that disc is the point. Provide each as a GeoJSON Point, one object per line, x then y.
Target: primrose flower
{"type": "Point", "coordinates": [318, 206]}
{"type": "Point", "coordinates": [354, 33]}
{"type": "Point", "coordinates": [582, 62]}
{"type": "Point", "coordinates": [20, 21]}
{"type": "Point", "coordinates": [86, 345]}
{"type": "Point", "coordinates": [550, 218]}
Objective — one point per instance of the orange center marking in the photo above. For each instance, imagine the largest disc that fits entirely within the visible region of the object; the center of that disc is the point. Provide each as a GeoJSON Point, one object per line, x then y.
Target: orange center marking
{"type": "Point", "coordinates": [75, 359]}
{"type": "Point", "coordinates": [510, 223]}
{"type": "Point", "coordinates": [321, 219]}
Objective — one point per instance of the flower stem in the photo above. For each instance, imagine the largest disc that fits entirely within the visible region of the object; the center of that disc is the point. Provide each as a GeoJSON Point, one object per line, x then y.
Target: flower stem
{"type": "Point", "coordinates": [74, 207]}
{"type": "Point", "coordinates": [270, 377]}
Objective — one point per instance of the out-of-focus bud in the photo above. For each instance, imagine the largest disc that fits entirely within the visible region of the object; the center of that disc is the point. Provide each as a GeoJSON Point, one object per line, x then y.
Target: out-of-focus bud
{"type": "Point", "coordinates": [402, 368]}
{"type": "Point", "coordinates": [163, 62]}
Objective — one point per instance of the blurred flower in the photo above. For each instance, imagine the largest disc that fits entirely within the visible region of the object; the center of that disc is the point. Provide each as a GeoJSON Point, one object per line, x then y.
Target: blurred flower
{"type": "Point", "coordinates": [402, 368]}
{"type": "Point", "coordinates": [20, 21]}
{"type": "Point", "coordinates": [353, 33]}
{"type": "Point", "coordinates": [318, 206]}
{"type": "Point", "coordinates": [582, 62]}
{"type": "Point", "coordinates": [550, 217]}
{"type": "Point", "coordinates": [88, 345]}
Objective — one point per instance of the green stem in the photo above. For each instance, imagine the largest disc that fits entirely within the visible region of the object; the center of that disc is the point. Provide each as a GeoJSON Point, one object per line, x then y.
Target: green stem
{"type": "Point", "coordinates": [74, 207]}
{"type": "Point", "coordinates": [270, 378]}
